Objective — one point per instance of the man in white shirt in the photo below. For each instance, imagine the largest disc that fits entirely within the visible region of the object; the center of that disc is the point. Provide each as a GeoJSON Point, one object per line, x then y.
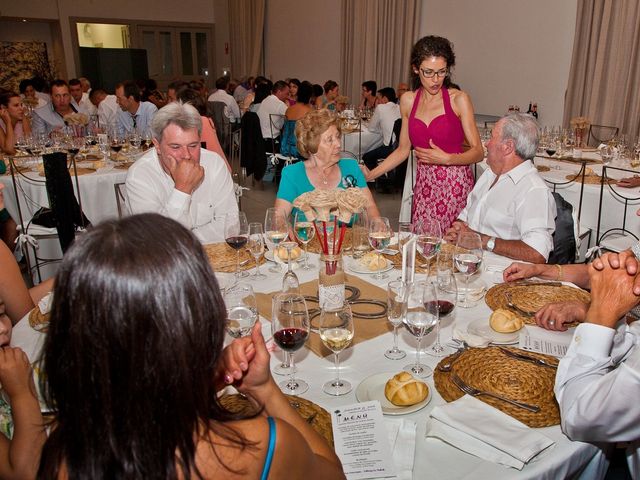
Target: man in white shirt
{"type": "Point", "coordinates": [180, 180]}
{"type": "Point", "coordinates": [510, 206]}
{"type": "Point", "coordinates": [382, 121]}
{"type": "Point", "coordinates": [232, 111]}
{"type": "Point", "coordinates": [273, 105]}
{"type": "Point", "coordinates": [598, 380]}
{"type": "Point", "coordinates": [107, 106]}
{"type": "Point", "coordinates": [135, 116]}
{"type": "Point", "coordinates": [81, 98]}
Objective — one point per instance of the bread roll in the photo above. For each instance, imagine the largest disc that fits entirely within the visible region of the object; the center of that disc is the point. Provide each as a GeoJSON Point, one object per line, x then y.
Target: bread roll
{"type": "Point", "coordinates": [505, 321]}
{"type": "Point", "coordinates": [404, 390]}
{"type": "Point", "coordinates": [373, 262]}
{"type": "Point", "coordinates": [281, 252]}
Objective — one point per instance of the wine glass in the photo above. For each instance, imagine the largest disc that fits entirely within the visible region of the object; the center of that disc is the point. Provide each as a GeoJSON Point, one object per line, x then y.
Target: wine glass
{"type": "Point", "coordinates": [290, 282]}
{"type": "Point", "coordinates": [147, 138]}
{"type": "Point", "coordinates": [236, 234]}
{"type": "Point", "coordinates": [420, 320]}
{"type": "Point", "coordinates": [380, 234]}
{"type": "Point", "coordinates": [255, 245]}
{"type": "Point", "coordinates": [397, 293]}
{"type": "Point", "coordinates": [304, 232]}
{"type": "Point", "coordinates": [276, 231]}
{"type": "Point", "coordinates": [467, 259]}
{"type": "Point", "coordinates": [429, 237]}
{"type": "Point", "coordinates": [360, 234]}
{"type": "Point", "coordinates": [242, 310]}
{"type": "Point", "coordinates": [290, 329]}
{"type": "Point", "coordinates": [447, 293]}
{"type": "Point", "coordinates": [336, 333]}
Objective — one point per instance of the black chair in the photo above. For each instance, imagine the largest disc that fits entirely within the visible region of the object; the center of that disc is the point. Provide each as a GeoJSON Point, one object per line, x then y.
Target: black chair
{"type": "Point", "coordinates": [394, 179]}
{"type": "Point", "coordinates": [564, 237]}
{"type": "Point", "coordinates": [216, 110]}
{"type": "Point", "coordinates": [601, 134]}
{"type": "Point", "coordinates": [252, 152]}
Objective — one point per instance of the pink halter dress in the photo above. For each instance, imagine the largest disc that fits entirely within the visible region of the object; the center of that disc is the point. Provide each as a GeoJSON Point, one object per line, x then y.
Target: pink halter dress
{"type": "Point", "coordinates": [440, 191]}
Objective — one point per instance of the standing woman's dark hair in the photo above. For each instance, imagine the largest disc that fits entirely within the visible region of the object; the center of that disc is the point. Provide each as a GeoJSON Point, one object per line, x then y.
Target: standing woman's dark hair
{"type": "Point", "coordinates": [136, 332]}
{"type": "Point", "coordinates": [431, 46]}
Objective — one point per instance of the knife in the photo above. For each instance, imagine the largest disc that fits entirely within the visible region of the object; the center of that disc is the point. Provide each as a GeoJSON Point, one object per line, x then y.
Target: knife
{"type": "Point", "coordinates": [527, 358]}
{"type": "Point", "coordinates": [527, 283]}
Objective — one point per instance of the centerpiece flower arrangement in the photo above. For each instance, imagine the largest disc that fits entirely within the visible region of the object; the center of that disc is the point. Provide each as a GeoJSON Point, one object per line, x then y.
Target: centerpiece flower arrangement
{"type": "Point", "coordinates": [331, 211]}
{"type": "Point", "coordinates": [580, 126]}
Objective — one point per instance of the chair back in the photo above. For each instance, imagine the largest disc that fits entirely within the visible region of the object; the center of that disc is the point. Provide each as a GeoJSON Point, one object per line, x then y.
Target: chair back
{"type": "Point", "coordinates": [122, 199]}
{"type": "Point", "coordinates": [289, 142]}
{"type": "Point", "coordinates": [216, 111]}
{"type": "Point", "coordinates": [564, 236]}
{"type": "Point", "coordinates": [252, 151]}
{"type": "Point", "coordinates": [578, 177]}
{"type": "Point", "coordinates": [601, 134]}
{"type": "Point", "coordinates": [276, 123]}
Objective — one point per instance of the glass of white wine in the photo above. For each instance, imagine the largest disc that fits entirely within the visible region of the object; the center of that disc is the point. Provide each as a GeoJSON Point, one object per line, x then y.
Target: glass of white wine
{"type": "Point", "coordinates": [304, 231]}
{"type": "Point", "coordinates": [255, 245]}
{"type": "Point", "coordinates": [467, 259]}
{"type": "Point", "coordinates": [336, 333]}
{"type": "Point", "coordinates": [380, 234]}
{"type": "Point", "coordinates": [429, 237]}
{"type": "Point", "coordinates": [420, 320]}
{"type": "Point", "coordinates": [242, 310]}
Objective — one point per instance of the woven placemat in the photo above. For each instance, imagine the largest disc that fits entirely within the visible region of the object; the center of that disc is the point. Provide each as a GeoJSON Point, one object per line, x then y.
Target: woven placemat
{"type": "Point", "coordinates": [531, 297]}
{"type": "Point", "coordinates": [38, 320]}
{"type": "Point", "coordinates": [491, 370]}
{"type": "Point", "coordinates": [543, 168]}
{"type": "Point", "coordinates": [573, 160]}
{"type": "Point", "coordinates": [314, 414]}
{"type": "Point", "coordinates": [123, 165]}
{"type": "Point", "coordinates": [590, 179]}
{"type": "Point", "coordinates": [223, 258]}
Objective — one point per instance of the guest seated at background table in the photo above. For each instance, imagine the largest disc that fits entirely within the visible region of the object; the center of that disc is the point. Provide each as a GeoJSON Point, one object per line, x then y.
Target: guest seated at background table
{"type": "Point", "coordinates": [13, 123]}
{"type": "Point", "coordinates": [135, 115]}
{"type": "Point", "coordinates": [134, 360]}
{"type": "Point", "coordinates": [369, 89]}
{"type": "Point", "coordinates": [192, 97]}
{"type": "Point", "coordinates": [23, 436]}
{"type": "Point", "coordinates": [598, 380]}
{"type": "Point", "coordinates": [318, 134]}
{"type": "Point", "coordinates": [629, 182]}
{"type": "Point", "coordinates": [288, 145]}
{"type": "Point", "coordinates": [106, 105]}
{"type": "Point", "coordinates": [382, 122]}
{"type": "Point", "coordinates": [331, 92]}
{"type": "Point", "coordinates": [28, 94]}
{"type": "Point", "coordinates": [510, 206]}
{"type": "Point", "coordinates": [294, 85]}
{"type": "Point", "coordinates": [270, 113]}
{"type": "Point", "coordinates": [231, 111]}
{"type": "Point", "coordinates": [50, 117]}
{"type": "Point", "coordinates": [180, 180]}
{"type": "Point", "coordinates": [81, 98]}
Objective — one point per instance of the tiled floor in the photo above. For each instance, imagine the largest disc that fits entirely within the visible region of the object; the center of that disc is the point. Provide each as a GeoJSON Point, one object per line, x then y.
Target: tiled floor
{"type": "Point", "coordinates": [255, 202]}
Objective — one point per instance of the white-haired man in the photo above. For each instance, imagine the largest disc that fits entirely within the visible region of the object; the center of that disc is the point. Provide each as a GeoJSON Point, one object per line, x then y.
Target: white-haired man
{"type": "Point", "coordinates": [180, 180]}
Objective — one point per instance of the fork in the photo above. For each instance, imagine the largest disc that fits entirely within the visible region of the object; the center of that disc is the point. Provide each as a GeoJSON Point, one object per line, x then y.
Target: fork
{"type": "Point", "coordinates": [513, 306]}
{"type": "Point", "coordinates": [474, 392]}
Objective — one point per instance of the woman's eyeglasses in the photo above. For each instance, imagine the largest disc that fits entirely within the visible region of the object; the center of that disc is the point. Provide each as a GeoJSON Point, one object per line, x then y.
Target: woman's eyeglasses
{"type": "Point", "coordinates": [431, 73]}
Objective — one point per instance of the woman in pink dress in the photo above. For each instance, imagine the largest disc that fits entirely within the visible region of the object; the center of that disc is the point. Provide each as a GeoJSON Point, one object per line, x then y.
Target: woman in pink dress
{"type": "Point", "coordinates": [436, 119]}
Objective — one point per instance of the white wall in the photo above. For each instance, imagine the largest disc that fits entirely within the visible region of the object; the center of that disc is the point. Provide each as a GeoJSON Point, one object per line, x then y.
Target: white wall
{"type": "Point", "coordinates": [303, 40]}
{"type": "Point", "coordinates": [508, 51]}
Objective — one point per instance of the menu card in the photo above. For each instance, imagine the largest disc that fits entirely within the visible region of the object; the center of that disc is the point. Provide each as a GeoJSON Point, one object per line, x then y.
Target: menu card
{"type": "Point", "coordinates": [540, 341]}
{"type": "Point", "coordinates": [361, 441]}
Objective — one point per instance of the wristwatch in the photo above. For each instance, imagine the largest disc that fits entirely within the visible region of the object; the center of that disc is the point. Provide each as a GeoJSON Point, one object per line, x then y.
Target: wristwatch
{"type": "Point", "coordinates": [491, 244]}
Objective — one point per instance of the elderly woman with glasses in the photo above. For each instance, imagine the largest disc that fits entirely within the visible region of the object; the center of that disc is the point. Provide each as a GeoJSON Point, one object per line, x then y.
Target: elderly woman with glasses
{"type": "Point", "coordinates": [436, 120]}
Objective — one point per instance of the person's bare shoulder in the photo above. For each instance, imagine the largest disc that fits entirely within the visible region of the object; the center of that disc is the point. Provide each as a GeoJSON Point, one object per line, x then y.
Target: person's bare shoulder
{"type": "Point", "coordinates": [406, 102]}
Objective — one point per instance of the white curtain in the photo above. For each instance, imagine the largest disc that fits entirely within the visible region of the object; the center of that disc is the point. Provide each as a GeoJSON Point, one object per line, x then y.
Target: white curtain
{"type": "Point", "coordinates": [246, 18]}
{"type": "Point", "coordinates": [377, 36]}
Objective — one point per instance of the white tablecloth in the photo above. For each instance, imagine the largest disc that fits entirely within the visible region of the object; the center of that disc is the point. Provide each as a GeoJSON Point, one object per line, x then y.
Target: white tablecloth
{"type": "Point", "coordinates": [360, 143]}
{"type": "Point", "coordinates": [433, 458]}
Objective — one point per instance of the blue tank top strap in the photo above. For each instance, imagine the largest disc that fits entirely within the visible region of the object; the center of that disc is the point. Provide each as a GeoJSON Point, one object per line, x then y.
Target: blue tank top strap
{"type": "Point", "coordinates": [416, 100]}
{"type": "Point", "coordinates": [270, 450]}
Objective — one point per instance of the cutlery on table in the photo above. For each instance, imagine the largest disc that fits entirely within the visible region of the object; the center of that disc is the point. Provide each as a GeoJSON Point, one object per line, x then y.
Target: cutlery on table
{"type": "Point", "coordinates": [242, 263]}
{"type": "Point", "coordinates": [474, 392]}
{"type": "Point", "coordinates": [513, 306]}
{"type": "Point", "coordinates": [446, 367]}
{"type": "Point", "coordinates": [527, 358]}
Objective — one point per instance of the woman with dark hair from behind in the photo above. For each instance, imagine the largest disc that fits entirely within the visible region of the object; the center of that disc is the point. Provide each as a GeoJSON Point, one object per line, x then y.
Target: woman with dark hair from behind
{"type": "Point", "coordinates": [209, 135]}
{"type": "Point", "coordinates": [133, 352]}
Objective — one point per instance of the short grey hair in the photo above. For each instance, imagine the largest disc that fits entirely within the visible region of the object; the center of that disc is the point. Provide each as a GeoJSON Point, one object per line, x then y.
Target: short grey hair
{"type": "Point", "coordinates": [181, 114]}
{"type": "Point", "coordinates": [523, 129]}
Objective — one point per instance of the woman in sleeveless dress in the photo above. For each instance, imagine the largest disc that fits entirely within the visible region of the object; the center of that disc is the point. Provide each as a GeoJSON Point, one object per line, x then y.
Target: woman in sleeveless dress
{"type": "Point", "coordinates": [436, 119]}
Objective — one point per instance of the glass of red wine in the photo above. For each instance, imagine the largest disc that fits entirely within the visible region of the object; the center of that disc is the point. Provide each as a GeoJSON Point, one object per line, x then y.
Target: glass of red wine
{"type": "Point", "coordinates": [447, 297]}
{"type": "Point", "coordinates": [236, 234]}
{"type": "Point", "coordinates": [290, 328]}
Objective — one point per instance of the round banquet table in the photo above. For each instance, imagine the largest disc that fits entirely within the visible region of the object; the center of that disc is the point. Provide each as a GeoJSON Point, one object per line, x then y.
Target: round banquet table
{"type": "Point", "coordinates": [360, 143]}
{"type": "Point", "coordinates": [566, 459]}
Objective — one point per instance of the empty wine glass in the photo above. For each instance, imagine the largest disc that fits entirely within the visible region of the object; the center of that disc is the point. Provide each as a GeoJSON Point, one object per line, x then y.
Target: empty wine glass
{"type": "Point", "coordinates": [276, 231]}
{"type": "Point", "coordinates": [447, 293]}
{"type": "Point", "coordinates": [242, 310]}
{"type": "Point", "coordinates": [467, 259]}
{"type": "Point", "coordinates": [290, 282]}
{"type": "Point", "coordinates": [380, 234]}
{"type": "Point", "coordinates": [290, 329]}
{"type": "Point", "coordinates": [236, 234]}
{"type": "Point", "coordinates": [336, 333]}
{"type": "Point", "coordinates": [304, 232]}
{"type": "Point", "coordinates": [420, 320]}
{"type": "Point", "coordinates": [255, 245]}
{"type": "Point", "coordinates": [428, 238]}
{"type": "Point", "coordinates": [397, 293]}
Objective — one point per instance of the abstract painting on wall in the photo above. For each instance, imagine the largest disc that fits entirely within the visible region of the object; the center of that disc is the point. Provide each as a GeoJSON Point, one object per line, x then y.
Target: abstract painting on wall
{"type": "Point", "coordinates": [20, 60]}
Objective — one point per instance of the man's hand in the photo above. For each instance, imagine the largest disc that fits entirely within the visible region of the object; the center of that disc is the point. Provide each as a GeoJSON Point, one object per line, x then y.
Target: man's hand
{"type": "Point", "coordinates": [519, 271]}
{"type": "Point", "coordinates": [457, 228]}
{"type": "Point", "coordinates": [612, 294]}
{"type": "Point", "coordinates": [187, 175]}
{"type": "Point", "coordinates": [625, 260]}
{"type": "Point", "coordinates": [629, 182]}
{"type": "Point", "coordinates": [554, 316]}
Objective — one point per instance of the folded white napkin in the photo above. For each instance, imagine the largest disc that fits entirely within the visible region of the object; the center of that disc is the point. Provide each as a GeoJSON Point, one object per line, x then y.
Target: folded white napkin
{"type": "Point", "coordinates": [472, 340]}
{"type": "Point", "coordinates": [481, 430]}
{"type": "Point", "coordinates": [402, 439]}
{"type": "Point", "coordinates": [45, 303]}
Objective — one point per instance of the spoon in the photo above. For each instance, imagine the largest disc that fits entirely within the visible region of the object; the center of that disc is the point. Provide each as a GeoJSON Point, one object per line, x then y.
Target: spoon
{"type": "Point", "coordinates": [446, 367]}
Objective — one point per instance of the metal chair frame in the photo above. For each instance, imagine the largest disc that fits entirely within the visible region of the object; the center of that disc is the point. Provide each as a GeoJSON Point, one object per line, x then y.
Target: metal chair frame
{"type": "Point", "coordinates": [627, 201]}
{"type": "Point", "coordinates": [613, 131]}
